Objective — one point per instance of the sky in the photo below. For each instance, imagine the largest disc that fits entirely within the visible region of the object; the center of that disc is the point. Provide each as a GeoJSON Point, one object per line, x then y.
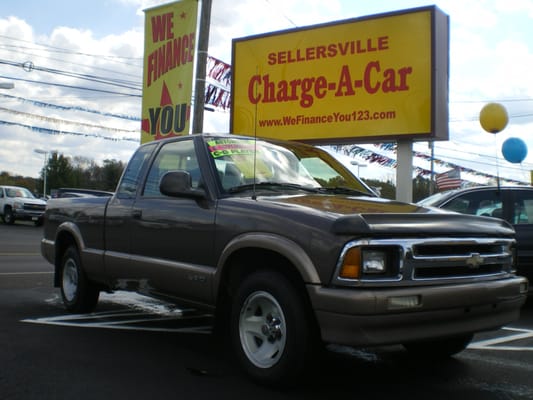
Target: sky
{"type": "Point", "coordinates": [56, 53]}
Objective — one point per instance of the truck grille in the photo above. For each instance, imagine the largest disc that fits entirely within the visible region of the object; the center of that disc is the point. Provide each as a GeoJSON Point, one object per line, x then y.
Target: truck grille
{"type": "Point", "coordinates": [34, 207]}
{"type": "Point", "coordinates": [456, 271]}
{"type": "Point", "coordinates": [459, 258]}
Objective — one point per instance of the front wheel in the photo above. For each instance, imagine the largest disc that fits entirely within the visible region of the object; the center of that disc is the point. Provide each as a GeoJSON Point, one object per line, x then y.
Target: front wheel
{"type": "Point", "coordinates": [78, 293]}
{"type": "Point", "coordinates": [271, 330]}
{"type": "Point", "coordinates": [9, 217]}
{"type": "Point", "coordinates": [439, 348]}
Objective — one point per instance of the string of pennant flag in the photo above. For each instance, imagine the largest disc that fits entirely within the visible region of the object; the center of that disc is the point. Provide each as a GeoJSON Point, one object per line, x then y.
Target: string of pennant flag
{"type": "Point", "coordinates": [218, 88]}
{"type": "Point", "coordinates": [64, 122]}
{"type": "Point", "coordinates": [69, 108]}
{"type": "Point", "coordinates": [49, 131]}
{"type": "Point", "coordinates": [373, 157]}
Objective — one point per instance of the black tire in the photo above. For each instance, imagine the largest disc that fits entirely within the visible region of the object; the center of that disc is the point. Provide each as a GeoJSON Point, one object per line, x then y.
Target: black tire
{"type": "Point", "coordinates": [8, 217]}
{"type": "Point", "coordinates": [439, 348]}
{"type": "Point", "coordinates": [78, 293]}
{"type": "Point", "coordinates": [271, 331]}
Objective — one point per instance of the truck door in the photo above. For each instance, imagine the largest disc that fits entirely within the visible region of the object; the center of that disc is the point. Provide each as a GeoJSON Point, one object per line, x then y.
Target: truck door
{"type": "Point", "coordinates": [522, 219]}
{"type": "Point", "coordinates": [119, 215]}
{"type": "Point", "coordinates": [172, 238]}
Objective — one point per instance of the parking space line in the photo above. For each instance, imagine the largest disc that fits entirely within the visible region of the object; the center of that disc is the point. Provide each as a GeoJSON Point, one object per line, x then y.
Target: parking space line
{"type": "Point", "coordinates": [19, 254]}
{"type": "Point", "coordinates": [85, 321]}
{"type": "Point", "coordinates": [492, 344]}
{"type": "Point", "coordinates": [206, 329]}
{"type": "Point", "coordinates": [27, 273]}
{"type": "Point", "coordinates": [100, 315]}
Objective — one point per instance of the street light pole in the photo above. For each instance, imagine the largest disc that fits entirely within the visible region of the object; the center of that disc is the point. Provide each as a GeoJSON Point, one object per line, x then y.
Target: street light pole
{"type": "Point", "coordinates": [40, 151]}
{"type": "Point", "coordinates": [358, 165]}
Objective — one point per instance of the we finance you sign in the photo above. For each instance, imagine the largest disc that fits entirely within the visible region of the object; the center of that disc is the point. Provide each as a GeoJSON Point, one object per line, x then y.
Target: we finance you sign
{"type": "Point", "coordinates": [169, 56]}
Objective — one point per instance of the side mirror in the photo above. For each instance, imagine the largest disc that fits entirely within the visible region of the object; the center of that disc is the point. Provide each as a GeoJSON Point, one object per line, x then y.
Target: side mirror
{"type": "Point", "coordinates": [178, 184]}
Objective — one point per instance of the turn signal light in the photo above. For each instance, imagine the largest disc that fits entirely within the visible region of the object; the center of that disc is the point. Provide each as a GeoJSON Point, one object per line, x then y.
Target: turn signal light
{"type": "Point", "coordinates": [351, 265]}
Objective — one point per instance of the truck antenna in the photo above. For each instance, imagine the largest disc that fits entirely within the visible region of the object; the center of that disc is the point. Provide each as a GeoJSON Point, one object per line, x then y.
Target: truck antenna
{"type": "Point", "coordinates": [254, 194]}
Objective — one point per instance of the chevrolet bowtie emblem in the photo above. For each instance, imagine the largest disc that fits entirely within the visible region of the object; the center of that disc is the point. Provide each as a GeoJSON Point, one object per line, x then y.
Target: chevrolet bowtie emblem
{"type": "Point", "coordinates": [474, 261]}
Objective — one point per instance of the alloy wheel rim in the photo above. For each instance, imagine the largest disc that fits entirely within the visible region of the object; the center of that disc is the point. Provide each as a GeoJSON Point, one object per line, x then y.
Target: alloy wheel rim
{"type": "Point", "coordinates": [70, 280]}
{"type": "Point", "coordinates": [262, 329]}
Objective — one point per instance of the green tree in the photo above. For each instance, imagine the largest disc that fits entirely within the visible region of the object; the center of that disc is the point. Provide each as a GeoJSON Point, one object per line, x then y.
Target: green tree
{"type": "Point", "coordinates": [81, 172]}
{"type": "Point", "coordinates": [421, 188]}
{"type": "Point", "coordinates": [386, 190]}
{"type": "Point", "coordinates": [59, 172]}
{"type": "Point", "coordinates": [111, 173]}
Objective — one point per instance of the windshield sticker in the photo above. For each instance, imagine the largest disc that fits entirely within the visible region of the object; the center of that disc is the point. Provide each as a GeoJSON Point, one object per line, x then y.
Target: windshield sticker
{"type": "Point", "coordinates": [230, 147]}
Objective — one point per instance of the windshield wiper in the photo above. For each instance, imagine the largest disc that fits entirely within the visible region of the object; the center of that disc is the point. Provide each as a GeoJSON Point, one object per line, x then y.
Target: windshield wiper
{"type": "Point", "coordinates": [271, 186]}
{"type": "Point", "coordinates": [344, 190]}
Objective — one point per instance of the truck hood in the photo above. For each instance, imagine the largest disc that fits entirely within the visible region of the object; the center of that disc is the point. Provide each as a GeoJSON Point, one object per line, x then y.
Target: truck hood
{"type": "Point", "coordinates": [387, 217]}
{"type": "Point", "coordinates": [28, 200]}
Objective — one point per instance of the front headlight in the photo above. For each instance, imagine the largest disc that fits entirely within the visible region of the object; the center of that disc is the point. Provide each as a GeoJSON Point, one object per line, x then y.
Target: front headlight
{"type": "Point", "coordinates": [360, 262]}
{"type": "Point", "coordinates": [17, 205]}
{"type": "Point", "coordinates": [374, 261]}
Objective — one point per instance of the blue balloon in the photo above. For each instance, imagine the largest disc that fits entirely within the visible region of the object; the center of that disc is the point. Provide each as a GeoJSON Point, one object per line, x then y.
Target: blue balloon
{"type": "Point", "coordinates": [514, 150]}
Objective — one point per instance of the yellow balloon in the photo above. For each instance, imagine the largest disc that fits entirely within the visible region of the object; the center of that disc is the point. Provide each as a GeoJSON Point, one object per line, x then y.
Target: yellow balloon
{"type": "Point", "coordinates": [493, 117]}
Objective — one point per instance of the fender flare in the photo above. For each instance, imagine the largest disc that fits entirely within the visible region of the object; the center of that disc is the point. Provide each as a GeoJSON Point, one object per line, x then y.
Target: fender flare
{"type": "Point", "coordinates": [268, 241]}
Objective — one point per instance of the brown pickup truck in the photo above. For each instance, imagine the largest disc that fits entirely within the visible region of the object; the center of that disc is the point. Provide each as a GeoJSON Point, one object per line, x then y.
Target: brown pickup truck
{"type": "Point", "coordinates": [287, 249]}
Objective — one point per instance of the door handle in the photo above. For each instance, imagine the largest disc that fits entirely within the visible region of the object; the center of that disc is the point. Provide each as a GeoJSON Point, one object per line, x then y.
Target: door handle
{"type": "Point", "coordinates": [137, 213]}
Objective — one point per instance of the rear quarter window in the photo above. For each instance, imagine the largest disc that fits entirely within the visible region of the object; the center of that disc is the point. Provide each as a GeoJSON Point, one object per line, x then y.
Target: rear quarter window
{"type": "Point", "coordinates": [130, 179]}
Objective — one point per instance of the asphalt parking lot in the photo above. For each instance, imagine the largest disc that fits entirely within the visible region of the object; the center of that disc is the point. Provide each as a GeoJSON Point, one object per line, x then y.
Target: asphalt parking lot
{"type": "Point", "coordinates": [134, 347]}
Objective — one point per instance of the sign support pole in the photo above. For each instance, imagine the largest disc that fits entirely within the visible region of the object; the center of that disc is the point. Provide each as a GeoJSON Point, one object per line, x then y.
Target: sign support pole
{"type": "Point", "coordinates": [404, 171]}
{"type": "Point", "coordinates": [201, 63]}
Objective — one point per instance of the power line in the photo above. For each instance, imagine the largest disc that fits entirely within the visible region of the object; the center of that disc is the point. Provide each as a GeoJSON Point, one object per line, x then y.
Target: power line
{"type": "Point", "coordinates": [18, 50]}
{"type": "Point", "coordinates": [68, 51]}
{"type": "Point", "coordinates": [284, 16]}
{"type": "Point", "coordinates": [71, 86]}
{"type": "Point", "coordinates": [29, 66]}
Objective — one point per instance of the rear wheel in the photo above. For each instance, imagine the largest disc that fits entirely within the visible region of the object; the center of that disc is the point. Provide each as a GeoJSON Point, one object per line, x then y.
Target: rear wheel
{"type": "Point", "coordinates": [78, 293]}
{"type": "Point", "coordinates": [439, 348]}
{"type": "Point", "coordinates": [271, 331]}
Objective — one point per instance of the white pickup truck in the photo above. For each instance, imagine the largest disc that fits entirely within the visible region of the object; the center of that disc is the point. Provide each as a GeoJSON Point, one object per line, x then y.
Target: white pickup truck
{"type": "Point", "coordinates": [19, 203]}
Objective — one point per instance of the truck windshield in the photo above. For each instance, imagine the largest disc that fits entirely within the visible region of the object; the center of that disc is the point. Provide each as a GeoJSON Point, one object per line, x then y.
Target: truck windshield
{"type": "Point", "coordinates": [241, 162]}
{"type": "Point", "coordinates": [19, 192]}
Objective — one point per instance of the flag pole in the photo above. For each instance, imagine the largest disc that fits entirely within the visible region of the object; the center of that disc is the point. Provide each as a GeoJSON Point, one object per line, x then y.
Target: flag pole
{"type": "Point", "coordinates": [201, 66]}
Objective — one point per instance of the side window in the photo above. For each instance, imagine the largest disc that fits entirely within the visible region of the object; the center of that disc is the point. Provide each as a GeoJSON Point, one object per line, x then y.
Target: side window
{"type": "Point", "coordinates": [458, 204]}
{"type": "Point", "coordinates": [179, 155]}
{"type": "Point", "coordinates": [487, 203]}
{"type": "Point", "coordinates": [130, 179]}
{"type": "Point", "coordinates": [522, 208]}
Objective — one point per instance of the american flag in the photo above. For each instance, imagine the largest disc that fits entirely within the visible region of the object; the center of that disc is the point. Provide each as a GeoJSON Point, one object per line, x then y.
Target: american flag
{"type": "Point", "coordinates": [449, 180]}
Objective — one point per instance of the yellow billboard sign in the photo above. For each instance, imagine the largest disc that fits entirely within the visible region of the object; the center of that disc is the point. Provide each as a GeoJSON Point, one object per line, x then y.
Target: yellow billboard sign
{"type": "Point", "coordinates": [169, 50]}
{"type": "Point", "coordinates": [382, 76]}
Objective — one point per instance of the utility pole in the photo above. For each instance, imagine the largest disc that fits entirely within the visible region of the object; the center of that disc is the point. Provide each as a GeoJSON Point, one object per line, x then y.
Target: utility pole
{"type": "Point", "coordinates": [201, 64]}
